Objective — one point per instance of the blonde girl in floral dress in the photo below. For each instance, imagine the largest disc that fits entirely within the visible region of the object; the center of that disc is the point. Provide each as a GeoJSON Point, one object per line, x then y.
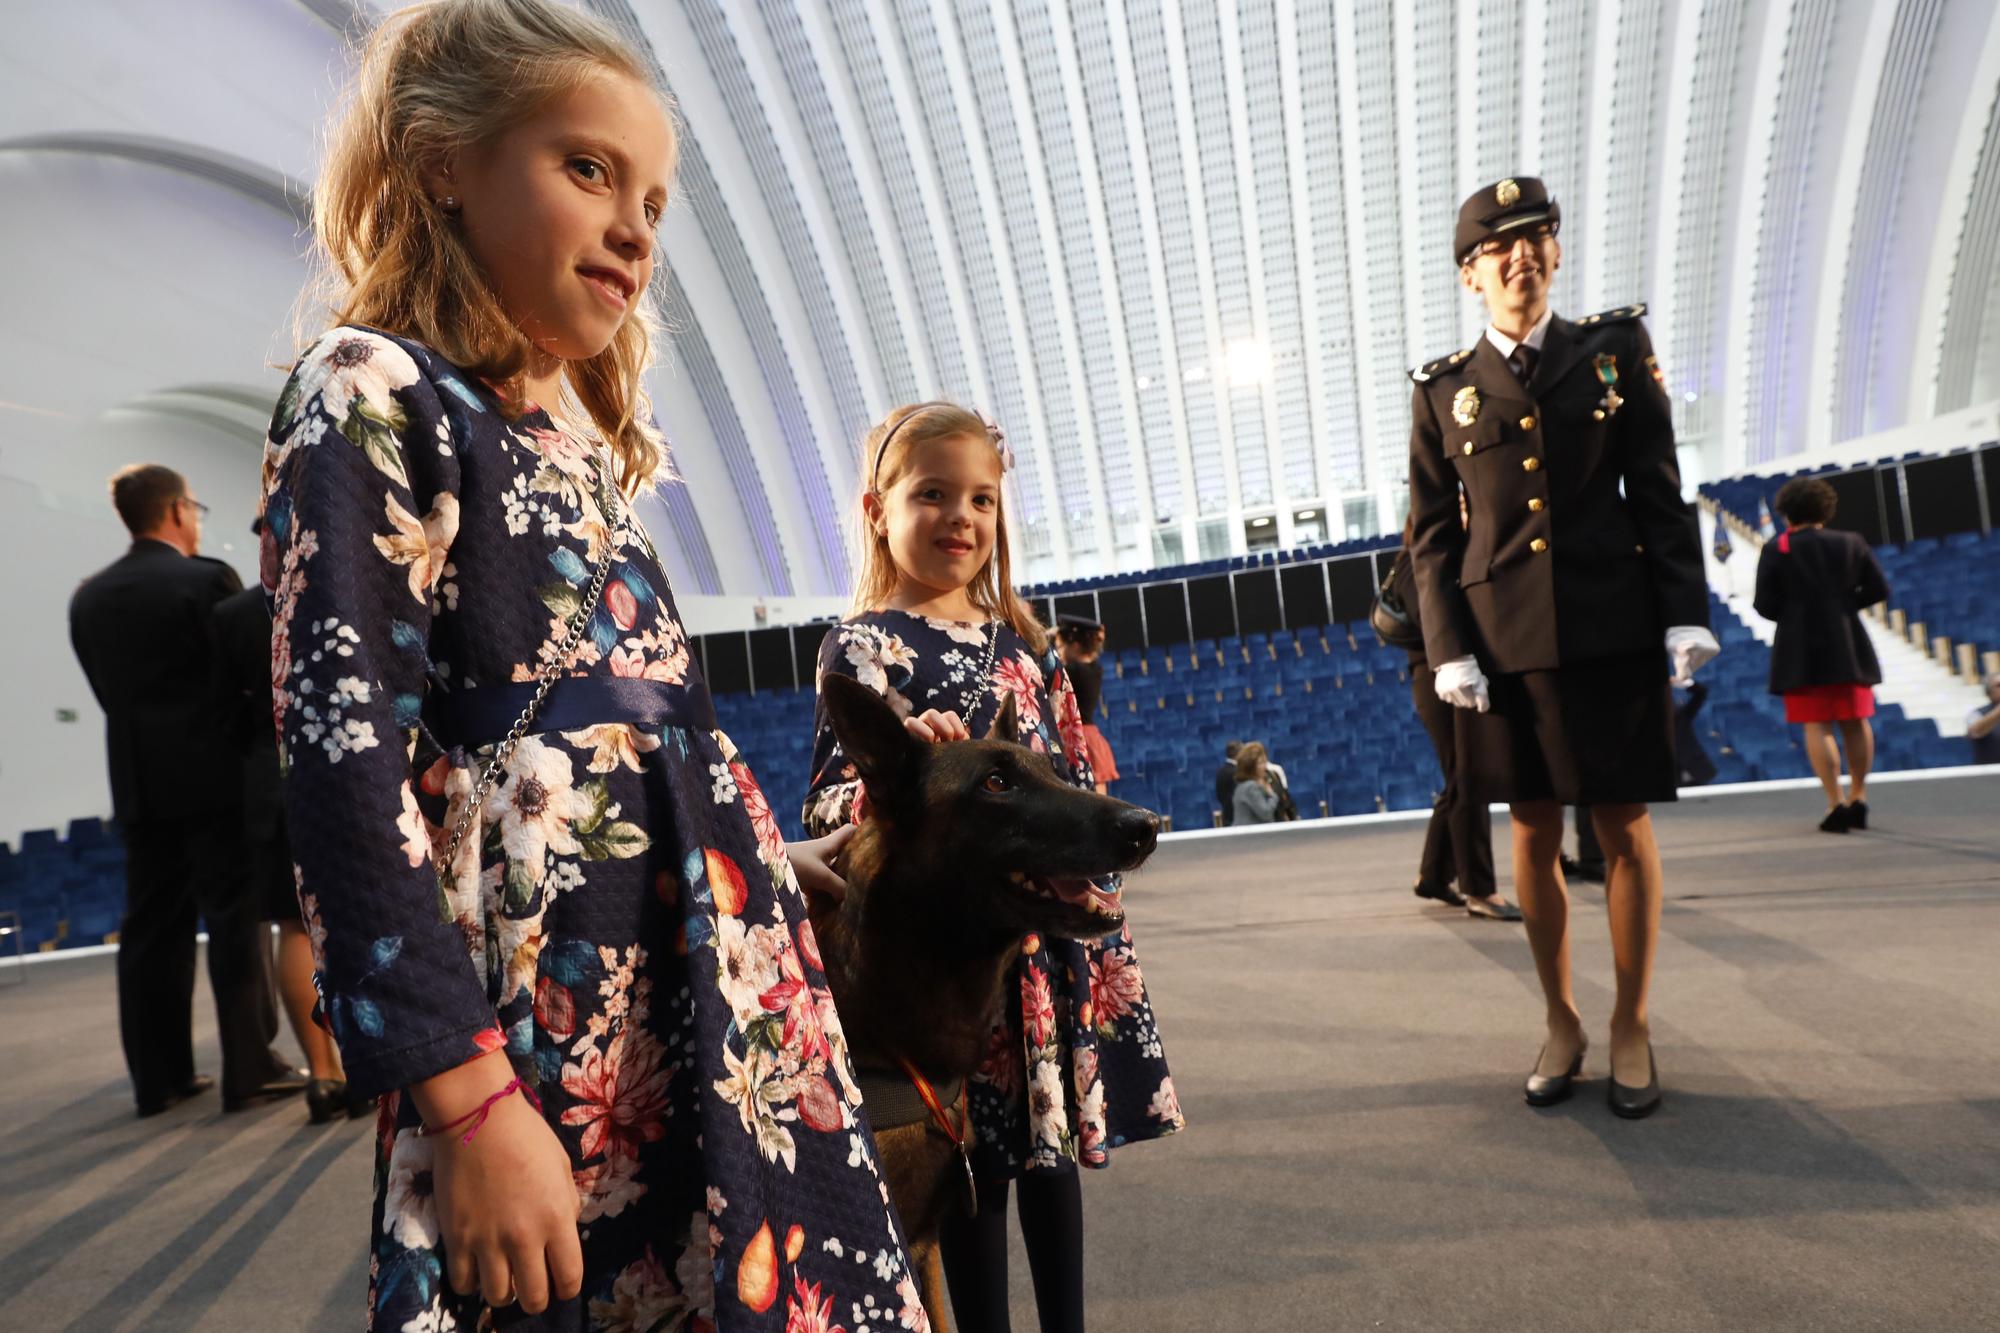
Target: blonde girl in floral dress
{"type": "Point", "coordinates": [1076, 1066]}
{"type": "Point", "coordinates": [571, 955]}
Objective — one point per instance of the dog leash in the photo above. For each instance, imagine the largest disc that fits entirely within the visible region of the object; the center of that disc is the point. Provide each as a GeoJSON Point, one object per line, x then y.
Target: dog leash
{"type": "Point", "coordinates": [970, 1194]}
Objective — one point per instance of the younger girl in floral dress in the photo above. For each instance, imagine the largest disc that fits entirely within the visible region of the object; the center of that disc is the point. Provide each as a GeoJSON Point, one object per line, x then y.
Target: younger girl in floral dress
{"type": "Point", "coordinates": [557, 932]}
{"type": "Point", "coordinates": [1076, 1066]}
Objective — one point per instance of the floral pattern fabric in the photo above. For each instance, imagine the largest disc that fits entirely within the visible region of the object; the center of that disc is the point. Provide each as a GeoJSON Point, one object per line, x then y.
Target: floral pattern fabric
{"type": "Point", "coordinates": [621, 918]}
{"type": "Point", "coordinates": [1076, 1068]}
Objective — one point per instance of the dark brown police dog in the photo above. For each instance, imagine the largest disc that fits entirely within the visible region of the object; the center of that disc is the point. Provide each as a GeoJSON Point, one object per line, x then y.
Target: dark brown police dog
{"type": "Point", "coordinates": [966, 848]}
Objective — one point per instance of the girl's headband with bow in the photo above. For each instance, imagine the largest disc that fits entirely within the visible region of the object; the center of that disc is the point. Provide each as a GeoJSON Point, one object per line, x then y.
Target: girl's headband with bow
{"type": "Point", "coordinates": [993, 433]}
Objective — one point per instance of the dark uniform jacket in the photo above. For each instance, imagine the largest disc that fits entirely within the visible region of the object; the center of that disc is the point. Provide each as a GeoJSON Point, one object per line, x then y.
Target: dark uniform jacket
{"type": "Point", "coordinates": [143, 629]}
{"type": "Point", "coordinates": [1556, 564]}
{"type": "Point", "coordinates": [1813, 584]}
{"type": "Point", "coordinates": [243, 688]}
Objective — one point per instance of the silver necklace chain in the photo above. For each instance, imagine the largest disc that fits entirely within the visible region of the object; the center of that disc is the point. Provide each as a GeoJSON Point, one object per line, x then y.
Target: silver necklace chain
{"type": "Point", "coordinates": [545, 681]}
{"type": "Point", "coordinates": [969, 700]}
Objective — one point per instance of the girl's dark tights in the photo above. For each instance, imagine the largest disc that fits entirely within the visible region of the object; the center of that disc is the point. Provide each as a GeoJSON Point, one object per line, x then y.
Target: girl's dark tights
{"type": "Point", "coordinates": [975, 1254]}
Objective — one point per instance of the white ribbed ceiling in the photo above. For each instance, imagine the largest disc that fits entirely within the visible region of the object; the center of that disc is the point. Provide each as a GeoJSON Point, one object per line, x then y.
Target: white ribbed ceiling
{"type": "Point", "coordinates": [1185, 251]}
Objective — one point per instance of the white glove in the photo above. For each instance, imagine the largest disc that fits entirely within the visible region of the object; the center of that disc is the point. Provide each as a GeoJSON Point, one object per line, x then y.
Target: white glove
{"type": "Point", "coordinates": [1690, 645]}
{"type": "Point", "coordinates": [1462, 684]}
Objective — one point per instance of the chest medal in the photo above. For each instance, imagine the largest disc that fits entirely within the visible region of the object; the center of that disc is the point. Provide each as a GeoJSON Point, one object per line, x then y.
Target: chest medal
{"type": "Point", "coordinates": [1606, 366]}
{"type": "Point", "coordinates": [1465, 406]}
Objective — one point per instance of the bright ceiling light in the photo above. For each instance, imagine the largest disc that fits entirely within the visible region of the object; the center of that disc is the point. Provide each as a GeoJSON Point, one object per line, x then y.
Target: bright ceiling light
{"type": "Point", "coordinates": [1249, 361]}
{"type": "Point", "coordinates": [1260, 522]}
{"type": "Point", "coordinates": [1145, 381]}
{"type": "Point", "coordinates": [1304, 514]}
{"type": "Point", "coordinates": [1195, 373]}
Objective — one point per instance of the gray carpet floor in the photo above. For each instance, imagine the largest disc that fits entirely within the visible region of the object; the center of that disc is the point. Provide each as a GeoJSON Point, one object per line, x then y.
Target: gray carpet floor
{"type": "Point", "coordinates": [1357, 1155]}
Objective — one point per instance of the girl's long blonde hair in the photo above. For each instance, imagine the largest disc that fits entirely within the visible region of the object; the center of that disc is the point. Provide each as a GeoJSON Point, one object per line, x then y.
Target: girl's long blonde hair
{"type": "Point", "coordinates": [914, 426]}
{"type": "Point", "coordinates": [437, 79]}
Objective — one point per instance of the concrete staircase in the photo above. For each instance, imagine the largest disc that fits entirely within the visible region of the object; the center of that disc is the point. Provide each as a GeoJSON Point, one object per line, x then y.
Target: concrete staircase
{"type": "Point", "coordinates": [1911, 677]}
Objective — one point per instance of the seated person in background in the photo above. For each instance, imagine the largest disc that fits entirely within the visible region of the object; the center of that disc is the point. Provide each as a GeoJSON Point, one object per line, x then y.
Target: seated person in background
{"type": "Point", "coordinates": [1225, 782]}
{"type": "Point", "coordinates": [1982, 724]}
{"type": "Point", "coordinates": [1256, 796]}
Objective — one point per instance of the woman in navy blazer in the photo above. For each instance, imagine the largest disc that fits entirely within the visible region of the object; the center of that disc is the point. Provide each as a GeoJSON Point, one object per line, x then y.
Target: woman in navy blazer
{"type": "Point", "coordinates": [1814, 584]}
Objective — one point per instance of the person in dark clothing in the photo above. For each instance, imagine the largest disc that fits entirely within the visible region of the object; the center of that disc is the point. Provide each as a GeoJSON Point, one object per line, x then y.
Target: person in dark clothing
{"type": "Point", "coordinates": [1225, 782]}
{"type": "Point", "coordinates": [243, 688]}
{"type": "Point", "coordinates": [1082, 642]}
{"type": "Point", "coordinates": [143, 631]}
{"type": "Point", "coordinates": [1458, 841]}
{"type": "Point", "coordinates": [1549, 617]}
{"type": "Point", "coordinates": [1814, 584]}
{"type": "Point", "coordinates": [1697, 769]}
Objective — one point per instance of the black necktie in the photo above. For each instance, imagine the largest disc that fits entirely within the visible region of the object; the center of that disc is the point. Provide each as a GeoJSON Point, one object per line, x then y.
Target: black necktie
{"type": "Point", "coordinates": [1523, 362]}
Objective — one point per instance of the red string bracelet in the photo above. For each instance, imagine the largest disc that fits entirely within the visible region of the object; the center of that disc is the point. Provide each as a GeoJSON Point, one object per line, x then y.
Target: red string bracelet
{"type": "Point", "coordinates": [477, 1115]}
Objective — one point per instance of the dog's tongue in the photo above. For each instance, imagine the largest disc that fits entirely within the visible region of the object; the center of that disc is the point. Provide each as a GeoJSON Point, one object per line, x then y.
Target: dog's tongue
{"type": "Point", "coordinates": [1082, 893]}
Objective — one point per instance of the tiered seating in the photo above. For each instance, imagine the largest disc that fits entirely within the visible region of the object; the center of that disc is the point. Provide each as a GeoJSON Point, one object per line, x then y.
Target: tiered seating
{"type": "Point", "coordinates": [1331, 706]}
{"type": "Point", "coordinates": [1201, 568]}
{"type": "Point", "coordinates": [1743, 725]}
{"type": "Point", "coordinates": [1946, 583]}
{"type": "Point", "coordinates": [67, 892]}
{"type": "Point", "coordinates": [1334, 709]}
{"type": "Point", "coordinates": [773, 729]}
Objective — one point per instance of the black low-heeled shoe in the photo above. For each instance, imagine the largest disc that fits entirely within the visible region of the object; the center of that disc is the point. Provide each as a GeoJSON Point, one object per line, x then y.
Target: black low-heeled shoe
{"type": "Point", "coordinates": [1629, 1103]}
{"type": "Point", "coordinates": [1835, 821]}
{"type": "Point", "coordinates": [1857, 814]}
{"type": "Point", "coordinates": [1547, 1090]}
{"type": "Point", "coordinates": [1442, 893]}
{"type": "Point", "coordinates": [325, 1099]}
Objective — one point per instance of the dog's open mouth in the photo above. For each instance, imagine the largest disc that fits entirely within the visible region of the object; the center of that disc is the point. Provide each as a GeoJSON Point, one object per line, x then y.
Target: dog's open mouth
{"type": "Point", "coordinates": [1077, 892]}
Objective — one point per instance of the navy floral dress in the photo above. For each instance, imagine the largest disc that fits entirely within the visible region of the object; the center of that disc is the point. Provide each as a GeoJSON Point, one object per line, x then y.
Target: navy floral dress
{"type": "Point", "coordinates": [1076, 1068]}
{"type": "Point", "coordinates": [621, 919]}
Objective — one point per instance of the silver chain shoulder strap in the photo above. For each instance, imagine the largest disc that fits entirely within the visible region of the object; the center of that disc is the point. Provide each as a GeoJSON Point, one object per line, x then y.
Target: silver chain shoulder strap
{"type": "Point", "coordinates": [979, 684]}
{"type": "Point", "coordinates": [545, 679]}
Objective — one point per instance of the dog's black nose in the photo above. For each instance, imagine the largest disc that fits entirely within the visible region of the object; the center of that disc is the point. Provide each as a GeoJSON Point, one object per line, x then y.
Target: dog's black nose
{"type": "Point", "coordinates": [1140, 832]}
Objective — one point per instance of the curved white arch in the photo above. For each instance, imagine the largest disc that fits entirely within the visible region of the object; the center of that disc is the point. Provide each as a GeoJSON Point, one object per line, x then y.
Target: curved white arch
{"type": "Point", "coordinates": [252, 180]}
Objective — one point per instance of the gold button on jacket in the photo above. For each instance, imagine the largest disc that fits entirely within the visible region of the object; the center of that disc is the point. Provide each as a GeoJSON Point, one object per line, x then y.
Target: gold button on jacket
{"type": "Point", "coordinates": [1538, 546]}
{"type": "Point", "coordinates": [1527, 423]}
{"type": "Point", "coordinates": [1535, 505]}
{"type": "Point", "coordinates": [1531, 464]}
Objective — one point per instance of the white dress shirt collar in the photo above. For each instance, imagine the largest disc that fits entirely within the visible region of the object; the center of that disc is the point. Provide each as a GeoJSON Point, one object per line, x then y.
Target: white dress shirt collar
{"type": "Point", "coordinates": [1534, 338]}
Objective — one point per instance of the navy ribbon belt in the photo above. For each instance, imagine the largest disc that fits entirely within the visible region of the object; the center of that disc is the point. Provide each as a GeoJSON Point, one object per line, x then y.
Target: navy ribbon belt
{"type": "Point", "coordinates": [483, 716]}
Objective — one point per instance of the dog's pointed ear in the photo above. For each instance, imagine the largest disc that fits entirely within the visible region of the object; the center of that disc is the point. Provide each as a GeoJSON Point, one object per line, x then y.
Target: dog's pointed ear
{"type": "Point", "coordinates": [870, 732]}
{"type": "Point", "coordinates": [1006, 723]}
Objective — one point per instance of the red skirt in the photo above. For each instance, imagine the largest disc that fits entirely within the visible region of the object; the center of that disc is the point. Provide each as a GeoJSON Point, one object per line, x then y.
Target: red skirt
{"type": "Point", "coordinates": [1829, 703]}
{"type": "Point", "coordinates": [1103, 764]}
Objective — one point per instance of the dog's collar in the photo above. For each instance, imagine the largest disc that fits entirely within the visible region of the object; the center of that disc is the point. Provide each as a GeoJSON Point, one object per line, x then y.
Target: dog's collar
{"type": "Point", "coordinates": [892, 1098]}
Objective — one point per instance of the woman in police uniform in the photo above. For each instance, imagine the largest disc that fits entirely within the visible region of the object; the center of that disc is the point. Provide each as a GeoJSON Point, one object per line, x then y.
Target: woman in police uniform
{"type": "Point", "coordinates": [1546, 615]}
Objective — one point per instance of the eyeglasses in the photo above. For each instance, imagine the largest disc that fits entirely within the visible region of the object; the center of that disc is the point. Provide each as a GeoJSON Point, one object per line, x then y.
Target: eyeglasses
{"type": "Point", "coordinates": [1500, 245]}
{"type": "Point", "coordinates": [199, 507]}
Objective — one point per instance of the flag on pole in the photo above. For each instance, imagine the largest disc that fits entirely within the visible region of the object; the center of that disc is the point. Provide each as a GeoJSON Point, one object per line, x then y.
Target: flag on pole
{"type": "Point", "coordinates": [1765, 528]}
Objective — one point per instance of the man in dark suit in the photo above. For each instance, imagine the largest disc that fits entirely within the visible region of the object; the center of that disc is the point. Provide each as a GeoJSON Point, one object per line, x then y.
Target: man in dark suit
{"type": "Point", "coordinates": [1548, 615]}
{"type": "Point", "coordinates": [143, 633]}
{"type": "Point", "coordinates": [1225, 783]}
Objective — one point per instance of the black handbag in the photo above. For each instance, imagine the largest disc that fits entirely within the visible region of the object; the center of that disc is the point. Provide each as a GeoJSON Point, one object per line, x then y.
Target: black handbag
{"type": "Point", "coordinates": [1395, 624]}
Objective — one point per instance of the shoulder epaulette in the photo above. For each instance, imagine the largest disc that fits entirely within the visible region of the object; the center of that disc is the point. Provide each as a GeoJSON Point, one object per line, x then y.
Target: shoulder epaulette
{"type": "Point", "coordinates": [1623, 312]}
{"type": "Point", "coordinates": [1439, 366]}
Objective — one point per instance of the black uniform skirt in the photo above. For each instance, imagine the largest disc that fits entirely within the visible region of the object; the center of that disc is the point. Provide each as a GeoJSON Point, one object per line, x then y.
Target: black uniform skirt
{"type": "Point", "coordinates": [1597, 732]}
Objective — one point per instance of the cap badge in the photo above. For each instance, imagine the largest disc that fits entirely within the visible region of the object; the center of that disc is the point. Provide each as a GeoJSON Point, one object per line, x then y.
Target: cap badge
{"type": "Point", "coordinates": [1653, 369]}
{"type": "Point", "coordinates": [1507, 193]}
{"type": "Point", "coordinates": [1465, 406]}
